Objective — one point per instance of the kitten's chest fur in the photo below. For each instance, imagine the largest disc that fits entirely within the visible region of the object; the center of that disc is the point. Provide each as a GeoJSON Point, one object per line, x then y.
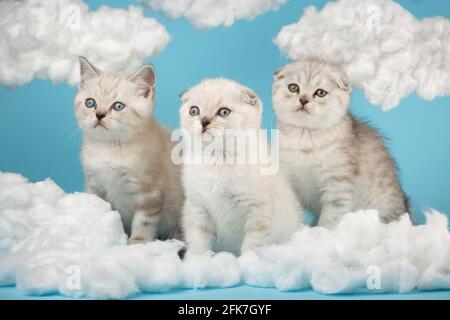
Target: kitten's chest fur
{"type": "Point", "coordinates": [305, 157]}
{"type": "Point", "coordinates": [304, 172]}
{"type": "Point", "coordinates": [222, 187]}
{"type": "Point", "coordinates": [112, 174]}
{"type": "Point", "coordinates": [225, 191]}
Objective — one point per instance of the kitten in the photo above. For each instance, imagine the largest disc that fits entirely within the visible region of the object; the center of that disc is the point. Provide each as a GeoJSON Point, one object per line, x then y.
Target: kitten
{"type": "Point", "coordinates": [231, 206]}
{"type": "Point", "coordinates": [336, 163]}
{"type": "Point", "coordinates": [126, 154]}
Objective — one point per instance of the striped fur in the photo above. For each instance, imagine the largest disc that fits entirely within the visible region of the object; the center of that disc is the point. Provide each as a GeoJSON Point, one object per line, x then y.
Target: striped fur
{"type": "Point", "coordinates": [336, 163]}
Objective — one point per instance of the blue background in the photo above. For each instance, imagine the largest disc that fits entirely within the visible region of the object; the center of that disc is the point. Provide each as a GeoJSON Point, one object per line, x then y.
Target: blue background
{"type": "Point", "coordinates": [39, 137]}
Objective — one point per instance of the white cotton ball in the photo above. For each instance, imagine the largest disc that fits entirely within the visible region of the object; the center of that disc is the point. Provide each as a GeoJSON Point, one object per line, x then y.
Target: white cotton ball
{"type": "Point", "coordinates": [293, 272]}
{"type": "Point", "coordinates": [48, 191]}
{"type": "Point", "coordinates": [224, 271]}
{"type": "Point", "coordinates": [8, 269]}
{"type": "Point", "coordinates": [382, 47]}
{"type": "Point", "coordinates": [165, 273]}
{"type": "Point", "coordinates": [433, 279]}
{"type": "Point", "coordinates": [40, 274]}
{"type": "Point", "coordinates": [155, 266]}
{"type": "Point", "coordinates": [211, 270]}
{"type": "Point", "coordinates": [256, 271]}
{"type": "Point", "coordinates": [209, 14]}
{"type": "Point", "coordinates": [398, 276]}
{"type": "Point", "coordinates": [333, 278]}
{"type": "Point", "coordinates": [44, 39]}
{"type": "Point", "coordinates": [59, 70]}
{"type": "Point", "coordinates": [107, 280]}
{"type": "Point", "coordinates": [9, 178]}
{"type": "Point", "coordinates": [360, 230]}
{"type": "Point", "coordinates": [11, 190]}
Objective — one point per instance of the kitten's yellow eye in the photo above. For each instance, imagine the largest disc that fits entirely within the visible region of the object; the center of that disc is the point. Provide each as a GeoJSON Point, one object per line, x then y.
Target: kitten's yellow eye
{"type": "Point", "coordinates": [224, 112]}
{"type": "Point", "coordinates": [320, 93]}
{"type": "Point", "coordinates": [293, 88]}
{"type": "Point", "coordinates": [194, 111]}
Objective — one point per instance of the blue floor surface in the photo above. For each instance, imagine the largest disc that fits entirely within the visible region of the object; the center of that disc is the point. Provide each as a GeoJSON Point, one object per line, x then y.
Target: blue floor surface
{"type": "Point", "coordinates": [246, 292]}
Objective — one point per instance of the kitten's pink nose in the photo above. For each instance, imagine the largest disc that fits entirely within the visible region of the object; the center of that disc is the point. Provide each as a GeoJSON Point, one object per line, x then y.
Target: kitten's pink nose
{"type": "Point", "coordinates": [100, 115]}
{"type": "Point", "coordinates": [304, 100]}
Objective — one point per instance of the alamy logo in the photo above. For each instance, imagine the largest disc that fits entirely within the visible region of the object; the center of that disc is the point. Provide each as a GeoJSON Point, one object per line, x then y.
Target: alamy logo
{"type": "Point", "coordinates": [231, 146]}
{"type": "Point", "coordinates": [73, 281]}
{"type": "Point", "coordinates": [374, 278]}
{"type": "Point", "coordinates": [373, 17]}
{"type": "Point", "coordinates": [71, 17]}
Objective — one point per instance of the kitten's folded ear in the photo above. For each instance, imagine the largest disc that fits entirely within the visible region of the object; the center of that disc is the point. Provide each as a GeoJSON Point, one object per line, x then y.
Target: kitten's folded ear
{"type": "Point", "coordinates": [181, 94]}
{"type": "Point", "coordinates": [343, 82]}
{"type": "Point", "coordinates": [249, 97]}
{"type": "Point", "coordinates": [87, 71]}
{"type": "Point", "coordinates": [278, 73]}
{"type": "Point", "coordinates": [145, 79]}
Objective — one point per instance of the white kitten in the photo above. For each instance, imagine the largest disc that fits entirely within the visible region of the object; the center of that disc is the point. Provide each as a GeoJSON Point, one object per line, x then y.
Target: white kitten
{"type": "Point", "coordinates": [335, 163]}
{"type": "Point", "coordinates": [126, 154]}
{"type": "Point", "coordinates": [230, 206]}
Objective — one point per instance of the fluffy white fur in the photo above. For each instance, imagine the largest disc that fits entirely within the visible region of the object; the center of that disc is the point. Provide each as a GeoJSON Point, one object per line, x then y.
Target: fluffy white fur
{"type": "Point", "coordinates": [126, 153]}
{"type": "Point", "coordinates": [232, 207]}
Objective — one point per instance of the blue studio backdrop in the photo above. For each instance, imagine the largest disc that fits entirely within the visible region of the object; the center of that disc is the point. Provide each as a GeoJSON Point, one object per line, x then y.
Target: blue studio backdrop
{"type": "Point", "coordinates": [39, 137]}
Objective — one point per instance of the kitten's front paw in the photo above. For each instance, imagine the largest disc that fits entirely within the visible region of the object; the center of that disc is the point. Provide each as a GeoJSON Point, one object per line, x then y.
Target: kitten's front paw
{"type": "Point", "coordinates": [209, 253]}
{"type": "Point", "coordinates": [136, 240]}
{"type": "Point", "coordinates": [191, 253]}
{"type": "Point", "coordinates": [248, 246]}
{"type": "Point", "coordinates": [329, 223]}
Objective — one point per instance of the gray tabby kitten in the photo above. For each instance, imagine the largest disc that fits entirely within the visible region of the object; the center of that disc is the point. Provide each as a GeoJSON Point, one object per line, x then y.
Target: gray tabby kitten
{"type": "Point", "coordinates": [126, 153]}
{"type": "Point", "coordinates": [336, 163]}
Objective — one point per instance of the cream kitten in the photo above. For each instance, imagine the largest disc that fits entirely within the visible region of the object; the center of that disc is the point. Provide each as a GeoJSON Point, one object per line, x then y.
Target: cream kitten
{"type": "Point", "coordinates": [126, 154]}
{"type": "Point", "coordinates": [231, 206]}
{"type": "Point", "coordinates": [336, 163]}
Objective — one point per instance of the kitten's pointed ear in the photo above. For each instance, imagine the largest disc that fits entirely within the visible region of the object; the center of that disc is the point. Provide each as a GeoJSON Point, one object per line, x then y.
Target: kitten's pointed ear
{"type": "Point", "coordinates": [249, 97]}
{"type": "Point", "coordinates": [343, 82]}
{"type": "Point", "coordinates": [87, 71]}
{"type": "Point", "coordinates": [145, 78]}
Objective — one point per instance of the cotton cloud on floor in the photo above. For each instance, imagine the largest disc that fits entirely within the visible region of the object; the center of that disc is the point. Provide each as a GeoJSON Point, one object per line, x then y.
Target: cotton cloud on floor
{"type": "Point", "coordinates": [207, 14]}
{"type": "Point", "coordinates": [73, 244]}
{"type": "Point", "coordinates": [385, 50]}
{"type": "Point", "coordinates": [43, 39]}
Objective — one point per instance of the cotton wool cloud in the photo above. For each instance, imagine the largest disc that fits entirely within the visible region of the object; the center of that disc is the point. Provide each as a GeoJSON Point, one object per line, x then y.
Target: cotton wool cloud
{"type": "Point", "coordinates": [207, 14]}
{"type": "Point", "coordinates": [74, 245]}
{"type": "Point", "coordinates": [385, 50]}
{"type": "Point", "coordinates": [43, 39]}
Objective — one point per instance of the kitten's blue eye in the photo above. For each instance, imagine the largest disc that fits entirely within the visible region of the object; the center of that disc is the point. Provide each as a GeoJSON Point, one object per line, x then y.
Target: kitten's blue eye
{"type": "Point", "coordinates": [118, 106]}
{"type": "Point", "coordinates": [194, 111]}
{"type": "Point", "coordinates": [224, 112]}
{"type": "Point", "coordinates": [90, 103]}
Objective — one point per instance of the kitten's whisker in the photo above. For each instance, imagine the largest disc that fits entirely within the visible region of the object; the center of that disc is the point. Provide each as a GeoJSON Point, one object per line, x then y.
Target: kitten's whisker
{"type": "Point", "coordinates": [75, 133]}
{"type": "Point", "coordinates": [71, 126]}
